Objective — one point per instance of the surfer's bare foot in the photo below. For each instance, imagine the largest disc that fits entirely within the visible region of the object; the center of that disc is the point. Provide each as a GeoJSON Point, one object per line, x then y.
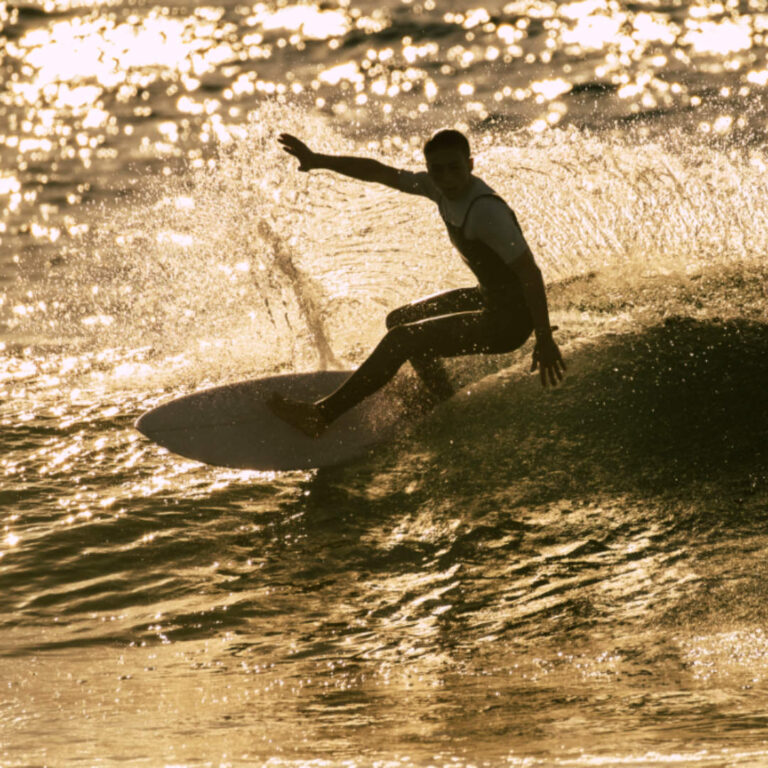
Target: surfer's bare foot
{"type": "Point", "coordinates": [304, 416]}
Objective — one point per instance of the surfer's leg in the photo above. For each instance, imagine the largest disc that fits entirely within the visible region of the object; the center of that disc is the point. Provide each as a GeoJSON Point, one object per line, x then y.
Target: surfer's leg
{"type": "Point", "coordinates": [429, 368]}
{"type": "Point", "coordinates": [443, 303]}
{"type": "Point", "coordinates": [443, 336]}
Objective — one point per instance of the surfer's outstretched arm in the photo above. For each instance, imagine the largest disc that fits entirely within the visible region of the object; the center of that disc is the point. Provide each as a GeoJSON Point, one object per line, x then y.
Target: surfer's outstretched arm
{"type": "Point", "coordinates": [362, 168]}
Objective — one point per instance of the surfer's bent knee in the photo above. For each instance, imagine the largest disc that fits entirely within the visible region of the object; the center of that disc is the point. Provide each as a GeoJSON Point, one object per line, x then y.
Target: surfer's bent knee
{"type": "Point", "coordinates": [397, 337]}
{"type": "Point", "coordinates": [395, 317]}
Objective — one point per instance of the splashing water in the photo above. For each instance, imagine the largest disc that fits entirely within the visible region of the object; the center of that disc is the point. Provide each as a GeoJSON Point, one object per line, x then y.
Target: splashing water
{"type": "Point", "coordinates": [244, 265]}
{"type": "Point", "coordinates": [199, 260]}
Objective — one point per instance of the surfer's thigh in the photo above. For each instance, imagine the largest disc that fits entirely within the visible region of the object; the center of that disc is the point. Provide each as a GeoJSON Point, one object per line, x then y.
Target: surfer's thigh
{"type": "Point", "coordinates": [443, 303]}
{"type": "Point", "coordinates": [464, 333]}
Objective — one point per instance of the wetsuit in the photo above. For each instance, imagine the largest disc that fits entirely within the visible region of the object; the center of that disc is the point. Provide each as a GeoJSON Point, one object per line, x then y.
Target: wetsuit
{"type": "Point", "coordinates": [491, 318]}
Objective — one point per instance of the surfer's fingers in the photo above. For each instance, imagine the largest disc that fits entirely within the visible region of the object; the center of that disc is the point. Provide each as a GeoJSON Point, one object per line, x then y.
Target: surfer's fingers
{"type": "Point", "coordinates": [293, 146]}
{"type": "Point", "coordinates": [551, 374]}
{"type": "Point", "coordinates": [558, 362]}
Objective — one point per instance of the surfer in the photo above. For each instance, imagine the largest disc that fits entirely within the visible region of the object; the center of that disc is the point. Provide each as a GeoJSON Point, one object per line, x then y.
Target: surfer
{"type": "Point", "coordinates": [496, 316]}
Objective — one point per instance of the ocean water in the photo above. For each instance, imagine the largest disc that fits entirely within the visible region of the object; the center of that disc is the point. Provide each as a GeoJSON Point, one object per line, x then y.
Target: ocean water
{"type": "Point", "coordinates": [569, 578]}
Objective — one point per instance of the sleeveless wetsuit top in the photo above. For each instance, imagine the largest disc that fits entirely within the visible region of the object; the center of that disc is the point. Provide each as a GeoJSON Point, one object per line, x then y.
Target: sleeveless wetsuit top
{"type": "Point", "coordinates": [499, 283]}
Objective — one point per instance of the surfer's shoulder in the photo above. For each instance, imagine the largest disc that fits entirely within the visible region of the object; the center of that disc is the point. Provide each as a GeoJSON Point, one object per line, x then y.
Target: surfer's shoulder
{"type": "Point", "coordinates": [490, 212]}
{"type": "Point", "coordinates": [417, 183]}
{"type": "Point", "coordinates": [481, 188]}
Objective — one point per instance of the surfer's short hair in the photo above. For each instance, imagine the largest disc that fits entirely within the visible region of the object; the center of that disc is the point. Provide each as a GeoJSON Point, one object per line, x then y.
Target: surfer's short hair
{"type": "Point", "coordinates": [448, 139]}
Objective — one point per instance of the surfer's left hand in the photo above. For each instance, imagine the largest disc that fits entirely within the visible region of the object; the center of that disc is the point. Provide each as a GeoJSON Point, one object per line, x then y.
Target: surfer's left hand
{"type": "Point", "coordinates": [549, 361]}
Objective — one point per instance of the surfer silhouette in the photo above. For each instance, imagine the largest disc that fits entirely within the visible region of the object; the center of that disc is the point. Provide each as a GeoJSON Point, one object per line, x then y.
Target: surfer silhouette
{"type": "Point", "coordinates": [496, 316]}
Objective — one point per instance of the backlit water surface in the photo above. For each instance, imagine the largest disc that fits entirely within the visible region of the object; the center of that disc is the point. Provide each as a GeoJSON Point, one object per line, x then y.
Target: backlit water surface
{"type": "Point", "coordinates": [574, 578]}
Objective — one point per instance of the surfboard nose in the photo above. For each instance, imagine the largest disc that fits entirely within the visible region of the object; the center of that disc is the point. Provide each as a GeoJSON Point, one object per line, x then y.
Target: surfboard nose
{"type": "Point", "coordinates": [141, 423]}
{"type": "Point", "coordinates": [148, 422]}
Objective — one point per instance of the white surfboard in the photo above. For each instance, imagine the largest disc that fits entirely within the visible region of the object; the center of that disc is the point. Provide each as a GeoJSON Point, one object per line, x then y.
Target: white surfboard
{"type": "Point", "coordinates": [231, 426]}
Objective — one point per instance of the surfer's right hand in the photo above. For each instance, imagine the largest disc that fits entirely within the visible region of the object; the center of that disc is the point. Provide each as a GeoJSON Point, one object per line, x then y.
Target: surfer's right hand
{"type": "Point", "coordinates": [549, 361]}
{"type": "Point", "coordinates": [293, 146]}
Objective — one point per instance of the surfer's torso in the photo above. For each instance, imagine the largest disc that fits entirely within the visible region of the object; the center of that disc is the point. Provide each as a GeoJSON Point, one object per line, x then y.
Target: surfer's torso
{"type": "Point", "coordinates": [484, 230]}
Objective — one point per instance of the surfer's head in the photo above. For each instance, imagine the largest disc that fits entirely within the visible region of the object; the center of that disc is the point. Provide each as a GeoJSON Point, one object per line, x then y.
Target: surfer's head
{"type": "Point", "coordinates": [449, 162]}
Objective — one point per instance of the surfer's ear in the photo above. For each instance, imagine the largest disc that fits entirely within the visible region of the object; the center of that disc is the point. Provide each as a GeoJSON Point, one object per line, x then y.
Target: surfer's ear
{"type": "Point", "coordinates": [471, 163]}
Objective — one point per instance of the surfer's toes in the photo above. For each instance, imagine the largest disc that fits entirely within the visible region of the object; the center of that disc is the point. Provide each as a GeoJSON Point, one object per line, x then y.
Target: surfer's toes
{"type": "Point", "coordinates": [304, 416]}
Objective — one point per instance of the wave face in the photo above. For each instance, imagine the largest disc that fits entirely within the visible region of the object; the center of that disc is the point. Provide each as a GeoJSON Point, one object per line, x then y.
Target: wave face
{"type": "Point", "coordinates": [571, 578]}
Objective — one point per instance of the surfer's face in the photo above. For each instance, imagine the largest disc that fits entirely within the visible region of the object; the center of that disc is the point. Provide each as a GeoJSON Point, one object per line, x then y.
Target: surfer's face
{"type": "Point", "coordinates": [451, 170]}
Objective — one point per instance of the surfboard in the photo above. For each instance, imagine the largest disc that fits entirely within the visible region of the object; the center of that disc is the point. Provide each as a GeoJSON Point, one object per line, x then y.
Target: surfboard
{"type": "Point", "coordinates": [231, 426]}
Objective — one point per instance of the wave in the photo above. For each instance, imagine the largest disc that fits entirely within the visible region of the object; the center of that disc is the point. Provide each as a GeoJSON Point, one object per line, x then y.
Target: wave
{"type": "Point", "coordinates": [523, 514]}
{"type": "Point", "coordinates": [676, 405]}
